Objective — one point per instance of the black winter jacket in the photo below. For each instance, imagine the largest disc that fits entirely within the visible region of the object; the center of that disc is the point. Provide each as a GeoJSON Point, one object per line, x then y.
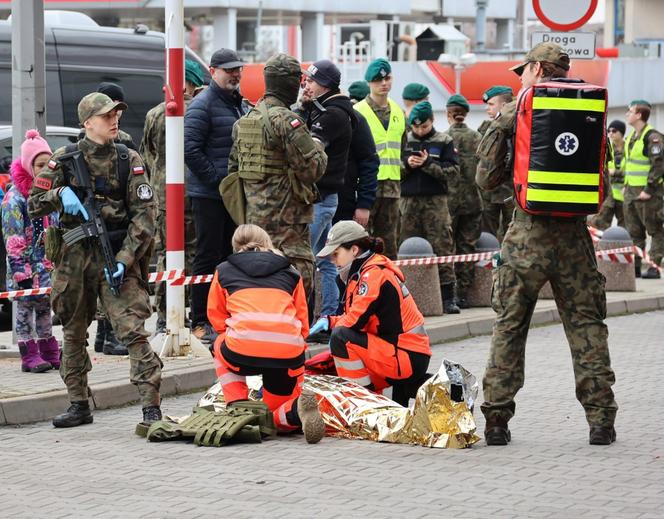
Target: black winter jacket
{"type": "Point", "coordinates": [431, 178]}
{"type": "Point", "coordinates": [207, 139]}
{"type": "Point", "coordinates": [331, 118]}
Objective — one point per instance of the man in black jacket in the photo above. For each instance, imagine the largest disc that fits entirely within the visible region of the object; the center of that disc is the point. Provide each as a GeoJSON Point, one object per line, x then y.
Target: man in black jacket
{"type": "Point", "coordinates": [207, 144]}
{"type": "Point", "coordinates": [330, 118]}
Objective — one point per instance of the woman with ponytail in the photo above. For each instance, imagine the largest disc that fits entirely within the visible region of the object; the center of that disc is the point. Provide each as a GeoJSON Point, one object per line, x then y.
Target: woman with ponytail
{"type": "Point", "coordinates": [27, 265]}
{"type": "Point", "coordinates": [379, 342]}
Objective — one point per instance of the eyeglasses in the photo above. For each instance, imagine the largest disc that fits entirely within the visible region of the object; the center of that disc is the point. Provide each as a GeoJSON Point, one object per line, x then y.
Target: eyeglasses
{"type": "Point", "coordinates": [233, 70]}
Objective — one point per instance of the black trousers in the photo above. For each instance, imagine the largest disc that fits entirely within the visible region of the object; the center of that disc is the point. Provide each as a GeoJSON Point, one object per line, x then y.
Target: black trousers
{"type": "Point", "coordinates": [214, 230]}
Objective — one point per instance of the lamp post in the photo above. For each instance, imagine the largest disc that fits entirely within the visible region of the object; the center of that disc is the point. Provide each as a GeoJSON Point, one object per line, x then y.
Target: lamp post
{"type": "Point", "coordinates": [459, 64]}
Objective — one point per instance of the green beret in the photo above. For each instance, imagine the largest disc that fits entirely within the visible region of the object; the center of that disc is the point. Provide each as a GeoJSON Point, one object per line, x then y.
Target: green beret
{"type": "Point", "coordinates": [377, 70]}
{"type": "Point", "coordinates": [458, 100]}
{"type": "Point", "coordinates": [496, 91]}
{"type": "Point", "coordinates": [421, 112]}
{"type": "Point", "coordinates": [193, 73]}
{"type": "Point", "coordinates": [358, 90]}
{"type": "Point", "coordinates": [415, 92]}
{"type": "Point", "coordinates": [640, 102]}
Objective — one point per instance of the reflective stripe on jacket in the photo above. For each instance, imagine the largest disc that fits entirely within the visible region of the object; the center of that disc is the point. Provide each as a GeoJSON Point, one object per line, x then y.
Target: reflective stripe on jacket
{"type": "Point", "coordinates": [637, 164]}
{"type": "Point", "coordinates": [388, 142]}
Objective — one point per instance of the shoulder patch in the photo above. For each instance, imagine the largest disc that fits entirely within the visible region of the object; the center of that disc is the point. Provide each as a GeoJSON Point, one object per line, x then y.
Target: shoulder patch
{"type": "Point", "coordinates": [43, 183]}
{"type": "Point", "coordinates": [138, 170]}
{"type": "Point", "coordinates": [144, 192]}
{"type": "Point", "coordinates": [362, 289]}
{"type": "Point", "coordinates": [656, 148]}
{"type": "Point", "coordinates": [52, 164]}
{"type": "Point", "coordinates": [295, 123]}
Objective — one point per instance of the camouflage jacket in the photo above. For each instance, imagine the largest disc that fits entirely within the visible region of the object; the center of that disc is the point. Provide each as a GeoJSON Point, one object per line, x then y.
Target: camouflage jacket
{"type": "Point", "coordinates": [129, 207]}
{"type": "Point", "coordinates": [493, 169]}
{"type": "Point", "coordinates": [506, 189]}
{"type": "Point", "coordinates": [464, 197]}
{"type": "Point", "coordinates": [266, 167]}
{"type": "Point", "coordinates": [153, 149]}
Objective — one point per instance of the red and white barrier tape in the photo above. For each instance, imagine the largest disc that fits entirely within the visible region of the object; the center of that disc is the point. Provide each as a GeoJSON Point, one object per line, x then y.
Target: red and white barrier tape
{"type": "Point", "coordinates": [595, 233]}
{"type": "Point", "coordinates": [483, 259]}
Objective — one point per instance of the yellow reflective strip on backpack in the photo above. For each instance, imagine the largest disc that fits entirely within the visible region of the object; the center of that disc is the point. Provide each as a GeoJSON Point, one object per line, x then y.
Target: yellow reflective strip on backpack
{"type": "Point", "coordinates": [563, 197]}
{"type": "Point", "coordinates": [564, 103]}
{"type": "Point", "coordinates": [556, 177]}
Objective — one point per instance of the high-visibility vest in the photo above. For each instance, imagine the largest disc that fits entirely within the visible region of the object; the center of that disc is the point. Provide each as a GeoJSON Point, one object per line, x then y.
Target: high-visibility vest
{"type": "Point", "coordinates": [637, 165]}
{"type": "Point", "coordinates": [388, 142]}
{"type": "Point", "coordinates": [616, 185]}
{"type": "Point", "coordinates": [559, 148]}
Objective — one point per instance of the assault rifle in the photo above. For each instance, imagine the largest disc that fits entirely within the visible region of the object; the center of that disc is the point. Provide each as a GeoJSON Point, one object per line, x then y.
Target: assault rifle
{"type": "Point", "coordinates": [95, 227]}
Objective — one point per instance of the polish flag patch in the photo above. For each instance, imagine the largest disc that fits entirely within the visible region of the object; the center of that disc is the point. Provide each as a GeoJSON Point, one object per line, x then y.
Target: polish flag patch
{"type": "Point", "coordinates": [52, 164]}
{"type": "Point", "coordinates": [43, 183]}
{"type": "Point", "coordinates": [295, 123]}
{"type": "Point", "coordinates": [138, 170]}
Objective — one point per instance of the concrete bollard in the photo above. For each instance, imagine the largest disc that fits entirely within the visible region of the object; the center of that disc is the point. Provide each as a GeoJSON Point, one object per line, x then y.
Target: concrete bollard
{"type": "Point", "coordinates": [422, 281]}
{"type": "Point", "coordinates": [620, 277]}
{"type": "Point", "coordinates": [479, 293]}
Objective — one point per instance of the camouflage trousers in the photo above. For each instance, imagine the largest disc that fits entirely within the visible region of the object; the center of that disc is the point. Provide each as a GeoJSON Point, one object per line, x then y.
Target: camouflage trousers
{"type": "Point", "coordinates": [536, 250]}
{"type": "Point", "coordinates": [160, 249]}
{"type": "Point", "coordinates": [429, 218]}
{"type": "Point", "coordinates": [466, 229]}
{"type": "Point", "coordinates": [77, 281]}
{"type": "Point", "coordinates": [645, 216]}
{"type": "Point", "coordinates": [384, 223]}
{"type": "Point", "coordinates": [496, 218]}
{"type": "Point", "coordinates": [294, 241]}
{"type": "Point", "coordinates": [610, 208]}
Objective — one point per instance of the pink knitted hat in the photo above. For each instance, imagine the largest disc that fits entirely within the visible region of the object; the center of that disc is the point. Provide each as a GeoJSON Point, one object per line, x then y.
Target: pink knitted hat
{"type": "Point", "coordinates": [33, 145]}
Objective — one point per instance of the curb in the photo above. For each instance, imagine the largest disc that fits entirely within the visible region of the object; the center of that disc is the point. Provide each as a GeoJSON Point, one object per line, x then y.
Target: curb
{"type": "Point", "coordinates": [44, 406]}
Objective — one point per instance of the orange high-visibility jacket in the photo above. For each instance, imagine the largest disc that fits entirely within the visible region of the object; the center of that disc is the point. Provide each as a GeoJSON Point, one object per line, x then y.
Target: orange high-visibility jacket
{"type": "Point", "coordinates": [258, 306]}
{"type": "Point", "coordinates": [378, 303]}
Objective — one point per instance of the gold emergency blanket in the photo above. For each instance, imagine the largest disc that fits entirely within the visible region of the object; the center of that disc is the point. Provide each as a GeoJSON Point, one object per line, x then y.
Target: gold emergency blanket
{"type": "Point", "coordinates": [351, 411]}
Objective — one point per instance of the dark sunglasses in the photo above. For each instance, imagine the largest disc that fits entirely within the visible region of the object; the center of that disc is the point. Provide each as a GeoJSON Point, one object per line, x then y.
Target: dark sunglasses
{"type": "Point", "coordinates": [232, 70]}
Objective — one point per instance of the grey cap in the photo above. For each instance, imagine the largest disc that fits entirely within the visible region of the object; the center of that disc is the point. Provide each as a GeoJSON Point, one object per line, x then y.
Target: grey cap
{"type": "Point", "coordinates": [342, 232]}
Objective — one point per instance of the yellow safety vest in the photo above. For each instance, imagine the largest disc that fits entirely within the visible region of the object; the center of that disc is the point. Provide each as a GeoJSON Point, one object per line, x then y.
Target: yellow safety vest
{"type": "Point", "coordinates": [637, 165]}
{"type": "Point", "coordinates": [616, 186]}
{"type": "Point", "coordinates": [562, 183]}
{"type": "Point", "coordinates": [388, 142]}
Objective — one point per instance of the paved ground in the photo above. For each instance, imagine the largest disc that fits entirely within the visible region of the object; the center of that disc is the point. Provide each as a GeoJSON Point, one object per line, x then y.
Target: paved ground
{"type": "Point", "coordinates": [549, 470]}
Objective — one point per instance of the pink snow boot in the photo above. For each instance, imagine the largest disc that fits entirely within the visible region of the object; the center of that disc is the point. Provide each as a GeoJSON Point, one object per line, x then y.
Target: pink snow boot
{"type": "Point", "coordinates": [50, 351]}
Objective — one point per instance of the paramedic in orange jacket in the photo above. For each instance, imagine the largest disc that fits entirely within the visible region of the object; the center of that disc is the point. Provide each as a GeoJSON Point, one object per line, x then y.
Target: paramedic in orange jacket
{"type": "Point", "coordinates": [258, 307]}
{"type": "Point", "coordinates": [380, 341]}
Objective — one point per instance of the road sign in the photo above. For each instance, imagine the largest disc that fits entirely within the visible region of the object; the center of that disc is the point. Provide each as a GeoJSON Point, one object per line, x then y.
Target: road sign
{"type": "Point", "coordinates": [579, 45]}
{"type": "Point", "coordinates": [564, 15]}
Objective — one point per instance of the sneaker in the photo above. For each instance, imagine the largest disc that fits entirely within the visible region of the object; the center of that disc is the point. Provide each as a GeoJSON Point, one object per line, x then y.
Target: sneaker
{"type": "Point", "coordinates": [319, 337]}
{"type": "Point", "coordinates": [602, 435]}
{"type": "Point", "coordinates": [652, 273]}
{"type": "Point", "coordinates": [313, 425]}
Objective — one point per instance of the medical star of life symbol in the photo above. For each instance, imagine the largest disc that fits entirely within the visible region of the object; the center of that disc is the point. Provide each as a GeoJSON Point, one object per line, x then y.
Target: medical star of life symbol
{"type": "Point", "coordinates": [567, 143]}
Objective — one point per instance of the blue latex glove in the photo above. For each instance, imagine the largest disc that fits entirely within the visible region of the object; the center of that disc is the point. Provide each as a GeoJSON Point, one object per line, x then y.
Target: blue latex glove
{"type": "Point", "coordinates": [119, 272]}
{"type": "Point", "coordinates": [322, 325]}
{"type": "Point", "coordinates": [71, 204]}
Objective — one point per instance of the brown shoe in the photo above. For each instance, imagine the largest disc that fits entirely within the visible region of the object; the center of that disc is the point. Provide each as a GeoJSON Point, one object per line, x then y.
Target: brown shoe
{"type": "Point", "coordinates": [312, 422]}
{"type": "Point", "coordinates": [602, 435]}
{"type": "Point", "coordinates": [496, 432]}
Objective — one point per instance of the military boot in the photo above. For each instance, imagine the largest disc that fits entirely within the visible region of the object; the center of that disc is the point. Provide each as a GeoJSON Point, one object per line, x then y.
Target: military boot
{"type": "Point", "coordinates": [637, 266]}
{"type": "Point", "coordinates": [602, 435]}
{"type": "Point", "coordinates": [151, 414]}
{"type": "Point", "coordinates": [449, 299]}
{"type": "Point", "coordinates": [652, 273]}
{"type": "Point", "coordinates": [100, 338]}
{"type": "Point", "coordinates": [112, 345]}
{"type": "Point", "coordinates": [77, 414]}
{"type": "Point", "coordinates": [496, 431]}
{"type": "Point", "coordinates": [313, 425]}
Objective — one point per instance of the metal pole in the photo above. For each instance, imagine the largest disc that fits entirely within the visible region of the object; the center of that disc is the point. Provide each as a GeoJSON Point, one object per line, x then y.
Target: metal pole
{"type": "Point", "coordinates": [458, 69]}
{"type": "Point", "coordinates": [177, 337]}
{"type": "Point", "coordinates": [28, 79]}
{"type": "Point", "coordinates": [480, 24]}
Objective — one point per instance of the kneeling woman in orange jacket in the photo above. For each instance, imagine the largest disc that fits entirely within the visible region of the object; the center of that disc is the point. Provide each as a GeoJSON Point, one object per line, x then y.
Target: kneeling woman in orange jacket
{"type": "Point", "coordinates": [379, 342]}
{"type": "Point", "coordinates": [257, 305]}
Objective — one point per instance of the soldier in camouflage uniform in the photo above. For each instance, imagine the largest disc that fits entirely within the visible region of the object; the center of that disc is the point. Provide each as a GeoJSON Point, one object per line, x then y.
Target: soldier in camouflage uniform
{"type": "Point", "coordinates": [537, 249]}
{"type": "Point", "coordinates": [464, 198]}
{"type": "Point", "coordinates": [79, 277]}
{"type": "Point", "coordinates": [498, 204]}
{"type": "Point", "coordinates": [279, 163]}
{"type": "Point", "coordinates": [153, 151]}
{"type": "Point", "coordinates": [429, 162]}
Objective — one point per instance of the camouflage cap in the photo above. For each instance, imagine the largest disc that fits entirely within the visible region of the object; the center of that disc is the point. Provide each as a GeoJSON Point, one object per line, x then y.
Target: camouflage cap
{"type": "Point", "coordinates": [342, 232]}
{"type": "Point", "coordinates": [282, 65]}
{"type": "Point", "coordinates": [97, 103]}
{"type": "Point", "coordinates": [548, 52]}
